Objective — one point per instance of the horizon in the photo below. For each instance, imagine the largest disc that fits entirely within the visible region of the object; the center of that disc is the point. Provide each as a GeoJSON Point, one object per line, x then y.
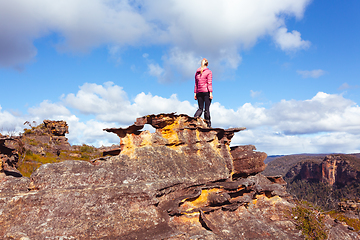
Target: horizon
{"type": "Point", "coordinates": [287, 71]}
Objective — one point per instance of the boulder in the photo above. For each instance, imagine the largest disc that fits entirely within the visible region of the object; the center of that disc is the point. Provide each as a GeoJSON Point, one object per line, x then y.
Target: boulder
{"type": "Point", "coordinates": [246, 161]}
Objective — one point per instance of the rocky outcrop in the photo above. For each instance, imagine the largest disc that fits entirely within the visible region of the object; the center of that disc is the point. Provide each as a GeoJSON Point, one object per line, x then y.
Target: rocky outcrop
{"type": "Point", "coordinates": [184, 136]}
{"type": "Point", "coordinates": [350, 206]}
{"type": "Point", "coordinates": [246, 161]}
{"type": "Point", "coordinates": [180, 182]}
{"type": "Point", "coordinates": [57, 128]}
{"type": "Point", "coordinates": [47, 137]}
{"type": "Point", "coordinates": [9, 155]}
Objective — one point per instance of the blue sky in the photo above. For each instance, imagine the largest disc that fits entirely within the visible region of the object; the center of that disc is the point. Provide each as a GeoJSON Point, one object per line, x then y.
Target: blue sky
{"type": "Point", "coordinates": [287, 70]}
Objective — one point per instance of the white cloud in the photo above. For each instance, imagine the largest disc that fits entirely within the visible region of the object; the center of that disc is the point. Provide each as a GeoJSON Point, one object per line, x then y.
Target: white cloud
{"type": "Point", "coordinates": [345, 86]}
{"type": "Point", "coordinates": [98, 99]}
{"type": "Point", "coordinates": [326, 123]}
{"type": "Point", "coordinates": [273, 143]}
{"type": "Point", "coordinates": [155, 70]}
{"type": "Point", "coordinates": [179, 61]}
{"type": "Point", "coordinates": [290, 41]}
{"type": "Point", "coordinates": [217, 30]}
{"type": "Point", "coordinates": [311, 74]}
{"type": "Point", "coordinates": [147, 104]}
{"type": "Point", "coordinates": [10, 123]}
{"type": "Point", "coordinates": [255, 94]}
{"type": "Point", "coordinates": [91, 132]}
{"type": "Point", "coordinates": [109, 103]}
{"type": "Point", "coordinates": [47, 110]}
{"type": "Point", "coordinates": [323, 113]}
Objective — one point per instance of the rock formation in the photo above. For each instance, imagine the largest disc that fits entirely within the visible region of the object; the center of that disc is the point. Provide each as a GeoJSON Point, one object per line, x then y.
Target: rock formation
{"type": "Point", "coordinates": [47, 137]}
{"type": "Point", "coordinates": [350, 207]}
{"type": "Point", "coordinates": [181, 182]}
{"type": "Point", "coordinates": [9, 155]}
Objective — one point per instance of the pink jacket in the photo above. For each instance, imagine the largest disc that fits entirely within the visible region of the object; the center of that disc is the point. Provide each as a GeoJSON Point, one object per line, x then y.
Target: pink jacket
{"type": "Point", "coordinates": [203, 82]}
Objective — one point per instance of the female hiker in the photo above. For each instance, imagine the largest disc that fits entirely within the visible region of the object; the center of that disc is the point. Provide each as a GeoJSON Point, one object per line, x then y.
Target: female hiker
{"type": "Point", "coordinates": [203, 90]}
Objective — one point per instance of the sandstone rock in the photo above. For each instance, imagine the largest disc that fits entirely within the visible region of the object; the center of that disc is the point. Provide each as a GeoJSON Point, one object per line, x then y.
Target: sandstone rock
{"type": "Point", "coordinates": [350, 207]}
{"type": "Point", "coordinates": [57, 128]}
{"type": "Point", "coordinates": [176, 183]}
{"type": "Point", "coordinates": [246, 161]}
{"type": "Point", "coordinates": [48, 137]}
{"type": "Point", "coordinates": [9, 156]}
{"type": "Point", "coordinates": [10, 185]}
{"type": "Point", "coordinates": [181, 133]}
{"type": "Point", "coordinates": [337, 170]}
{"type": "Point", "coordinates": [111, 152]}
{"type": "Point", "coordinates": [1, 167]}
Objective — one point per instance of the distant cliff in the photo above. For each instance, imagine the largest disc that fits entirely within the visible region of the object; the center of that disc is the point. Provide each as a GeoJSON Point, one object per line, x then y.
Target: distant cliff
{"type": "Point", "coordinates": [323, 180]}
{"type": "Point", "coordinates": [339, 169]}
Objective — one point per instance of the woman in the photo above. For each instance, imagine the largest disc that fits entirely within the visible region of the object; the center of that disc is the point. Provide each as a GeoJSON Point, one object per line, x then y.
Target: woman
{"type": "Point", "coordinates": [203, 90]}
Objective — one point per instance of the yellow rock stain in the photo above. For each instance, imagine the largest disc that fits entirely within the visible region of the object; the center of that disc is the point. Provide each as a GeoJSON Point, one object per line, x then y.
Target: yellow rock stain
{"type": "Point", "coordinates": [215, 145]}
{"type": "Point", "coordinates": [127, 145]}
{"type": "Point", "coordinates": [170, 134]}
{"type": "Point", "coordinates": [197, 135]}
{"type": "Point", "coordinates": [146, 139]}
{"type": "Point", "coordinates": [263, 197]}
{"type": "Point", "coordinates": [189, 204]}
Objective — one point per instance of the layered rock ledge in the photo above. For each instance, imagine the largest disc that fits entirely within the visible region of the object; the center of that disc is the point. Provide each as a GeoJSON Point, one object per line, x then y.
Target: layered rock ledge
{"type": "Point", "coordinates": [181, 182]}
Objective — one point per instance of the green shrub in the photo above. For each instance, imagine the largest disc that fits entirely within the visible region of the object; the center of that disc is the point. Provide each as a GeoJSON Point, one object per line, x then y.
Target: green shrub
{"type": "Point", "coordinates": [28, 152]}
{"type": "Point", "coordinates": [309, 221]}
{"type": "Point", "coordinates": [32, 161]}
{"type": "Point", "coordinates": [33, 142]}
{"type": "Point", "coordinates": [352, 222]}
{"type": "Point", "coordinates": [26, 168]}
{"type": "Point", "coordinates": [86, 149]}
{"type": "Point", "coordinates": [27, 131]}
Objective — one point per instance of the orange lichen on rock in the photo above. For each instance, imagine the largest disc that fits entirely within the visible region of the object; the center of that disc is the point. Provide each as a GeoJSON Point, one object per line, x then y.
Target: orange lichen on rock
{"type": "Point", "coordinates": [127, 145]}
{"type": "Point", "coordinates": [201, 201]}
{"type": "Point", "coordinates": [170, 133]}
{"type": "Point", "coordinates": [131, 142]}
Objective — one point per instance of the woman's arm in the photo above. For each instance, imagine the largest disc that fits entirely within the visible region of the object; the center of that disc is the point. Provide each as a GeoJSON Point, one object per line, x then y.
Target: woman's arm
{"type": "Point", "coordinates": [209, 84]}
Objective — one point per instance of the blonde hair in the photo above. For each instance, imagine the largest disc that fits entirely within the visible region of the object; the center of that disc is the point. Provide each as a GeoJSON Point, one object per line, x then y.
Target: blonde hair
{"type": "Point", "coordinates": [204, 64]}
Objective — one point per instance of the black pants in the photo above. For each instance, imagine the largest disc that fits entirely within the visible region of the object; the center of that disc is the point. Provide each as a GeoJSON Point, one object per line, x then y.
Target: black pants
{"type": "Point", "coordinates": [203, 97]}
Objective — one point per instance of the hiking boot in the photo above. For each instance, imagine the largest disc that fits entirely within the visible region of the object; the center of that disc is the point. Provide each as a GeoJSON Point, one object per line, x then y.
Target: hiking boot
{"type": "Point", "coordinates": [208, 123]}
